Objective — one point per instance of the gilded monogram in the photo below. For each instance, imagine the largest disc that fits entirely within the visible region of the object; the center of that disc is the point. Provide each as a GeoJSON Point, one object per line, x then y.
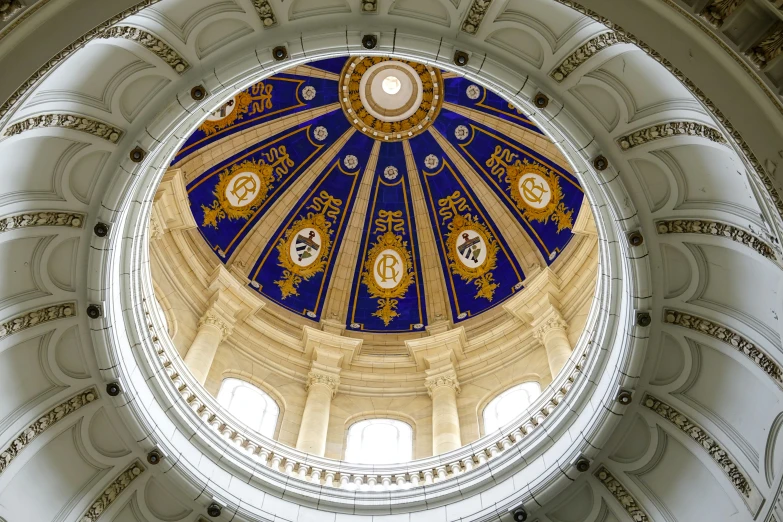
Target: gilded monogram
{"type": "Point", "coordinates": [243, 187]}
{"type": "Point", "coordinates": [256, 102]}
{"type": "Point", "coordinates": [388, 268]}
{"type": "Point", "coordinates": [534, 188]}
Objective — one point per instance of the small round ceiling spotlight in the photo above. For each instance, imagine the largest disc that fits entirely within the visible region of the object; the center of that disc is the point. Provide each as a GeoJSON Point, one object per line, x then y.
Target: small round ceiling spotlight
{"type": "Point", "coordinates": [369, 41]}
{"type": "Point", "coordinates": [154, 457]}
{"type": "Point", "coordinates": [198, 92]}
{"type": "Point", "coordinates": [461, 58]}
{"type": "Point", "coordinates": [600, 163]}
{"type": "Point", "coordinates": [214, 510]}
{"type": "Point", "coordinates": [94, 311]}
{"type": "Point", "coordinates": [635, 238]}
{"type": "Point", "coordinates": [113, 389]}
{"type": "Point", "coordinates": [519, 515]}
{"type": "Point", "coordinates": [624, 397]}
{"type": "Point", "coordinates": [541, 100]}
{"type": "Point", "coordinates": [643, 319]}
{"type": "Point", "coordinates": [101, 229]}
{"type": "Point", "coordinates": [137, 155]}
{"type": "Point", "coordinates": [280, 53]}
{"type": "Point", "coordinates": [582, 464]}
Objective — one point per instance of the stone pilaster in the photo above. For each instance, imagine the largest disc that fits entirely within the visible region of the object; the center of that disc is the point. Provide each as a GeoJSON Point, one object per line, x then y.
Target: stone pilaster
{"type": "Point", "coordinates": [322, 385]}
{"type": "Point", "coordinates": [443, 387]}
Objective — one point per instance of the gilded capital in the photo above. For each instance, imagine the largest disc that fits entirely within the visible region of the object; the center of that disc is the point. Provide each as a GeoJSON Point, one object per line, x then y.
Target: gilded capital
{"type": "Point", "coordinates": [212, 318]}
{"type": "Point", "coordinates": [331, 380]}
{"type": "Point", "coordinates": [448, 378]}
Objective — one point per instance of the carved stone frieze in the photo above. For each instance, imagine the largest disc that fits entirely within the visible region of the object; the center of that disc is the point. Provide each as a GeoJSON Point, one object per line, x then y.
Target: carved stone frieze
{"type": "Point", "coordinates": [9, 8]}
{"type": "Point", "coordinates": [57, 59]}
{"type": "Point", "coordinates": [768, 48]}
{"type": "Point", "coordinates": [212, 318]}
{"type": "Point", "coordinates": [36, 317]}
{"type": "Point", "coordinates": [113, 491]}
{"type": "Point", "coordinates": [476, 13]}
{"type": "Point", "coordinates": [157, 46]}
{"type": "Point", "coordinates": [710, 445]}
{"type": "Point", "coordinates": [758, 168]}
{"type": "Point", "coordinates": [622, 495]}
{"type": "Point", "coordinates": [265, 13]}
{"type": "Point", "coordinates": [668, 130]}
{"type": "Point", "coordinates": [586, 51]}
{"type": "Point", "coordinates": [331, 380]}
{"type": "Point", "coordinates": [717, 11]}
{"type": "Point", "coordinates": [715, 228]}
{"type": "Point", "coordinates": [443, 379]}
{"type": "Point", "coordinates": [728, 336]}
{"type": "Point", "coordinates": [66, 121]}
{"type": "Point", "coordinates": [42, 219]}
{"type": "Point", "coordinates": [43, 423]}
{"type": "Point", "coordinates": [369, 6]}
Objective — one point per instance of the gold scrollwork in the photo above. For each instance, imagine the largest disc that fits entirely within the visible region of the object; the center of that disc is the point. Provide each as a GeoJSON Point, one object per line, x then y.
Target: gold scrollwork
{"type": "Point", "coordinates": [455, 208]}
{"type": "Point", "coordinates": [325, 210]}
{"type": "Point", "coordinates": [256, 101]}
{"type": "Point", "coordinates": [244, 186]}
{"type": "Point", "coordinates": [507, 167]}
{"type": "Point", "coordinates": [382, 265]}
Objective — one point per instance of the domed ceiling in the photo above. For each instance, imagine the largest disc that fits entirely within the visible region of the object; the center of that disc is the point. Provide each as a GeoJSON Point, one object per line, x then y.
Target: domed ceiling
{"type": "Point", "coordinates": [395, 155]}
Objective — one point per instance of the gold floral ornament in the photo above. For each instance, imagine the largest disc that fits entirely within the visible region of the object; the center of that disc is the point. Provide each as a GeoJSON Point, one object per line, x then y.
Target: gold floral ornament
{"type": "Point", "coordinates": [388, 269]}
{"type": "Point", "coordinates": [534, 188]}
{"type": "Point", "coordinates": [304, 249]}
{"type": "Point", "coordinates": [244, 186]}
{"type": "Point", "coordinates": [470, 248]}
{"type": "Point", "coordinates": [258, 100]}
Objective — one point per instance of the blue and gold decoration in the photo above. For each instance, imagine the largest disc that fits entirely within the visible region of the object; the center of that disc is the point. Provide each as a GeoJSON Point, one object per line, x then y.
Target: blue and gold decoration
{"type": "Point", "coordinates": [463, 92]}
{"type": "Point", "coordinates": [275, 97]}
{"type": "Point", "coordinates": [543, 196]}
{"type": "Point", "coordinates": [295, 266]}
{"type": "Point", "coordinates": [228, 199]}
{"type": "Point", "coordinates": [479, 268]}
{"type": "Point", "coordinates": [388, 293]}
{"type": "Point", "coordinates": [406, 106]}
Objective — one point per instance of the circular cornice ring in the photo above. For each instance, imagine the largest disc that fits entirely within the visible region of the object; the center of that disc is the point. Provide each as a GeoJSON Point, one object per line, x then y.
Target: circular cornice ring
{"type": "Point", "coordinates": [607, 342]}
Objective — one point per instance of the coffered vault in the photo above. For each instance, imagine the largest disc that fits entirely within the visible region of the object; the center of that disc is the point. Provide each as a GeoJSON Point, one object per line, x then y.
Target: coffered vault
{"type": "Point", "coordinates": [667, 114]}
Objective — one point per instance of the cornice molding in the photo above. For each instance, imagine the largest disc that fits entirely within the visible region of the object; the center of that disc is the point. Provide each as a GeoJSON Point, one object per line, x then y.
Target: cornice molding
{"type": "Point", "coordinates": [476, 13]}
{"type": "Point", "coordinates": [112, 491]}
{"type": "Point", "coordinates": [97, 128]}
{"type": "Point", "coordinates": [43, 422]}
{"type": "Point", "coordinates": [623, 496]}
{"type": "Point", "coordinates": [728, 336]}
{"type": "Point", "coordinates": [151, 42]}
{"type": "Point", "coordinates": [586, 51]}
{"type": "Point", "coordinates": [709, 444]}
{"type": "Point", "coordinates": [716, 228]}
{"type": "Point", "coordinates": [265, 13]}
{"type": "Point", "coordinates": [52, 63]}
{"type": "Point", "coordinates": [51, 218]}
{"type": "Point", "coordinates": [669, 130]}
{"type": "Point", "coordinates": [36, 317]}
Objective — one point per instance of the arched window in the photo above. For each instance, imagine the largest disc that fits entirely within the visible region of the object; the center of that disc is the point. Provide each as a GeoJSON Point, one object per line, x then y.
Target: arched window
{"type": "Point", "coordinates": [379, 441]}
{"type": "Point", "coordinates": [506, 406]}
{"type": "Point", "coordinates": [251, 405]}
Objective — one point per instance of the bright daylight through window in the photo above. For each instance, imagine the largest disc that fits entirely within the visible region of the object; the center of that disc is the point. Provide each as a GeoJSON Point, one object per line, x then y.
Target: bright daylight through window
{"type": "Point", "coordinates": [255, 408]}
{"type": "Point", "coordinates": [379, 441]}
